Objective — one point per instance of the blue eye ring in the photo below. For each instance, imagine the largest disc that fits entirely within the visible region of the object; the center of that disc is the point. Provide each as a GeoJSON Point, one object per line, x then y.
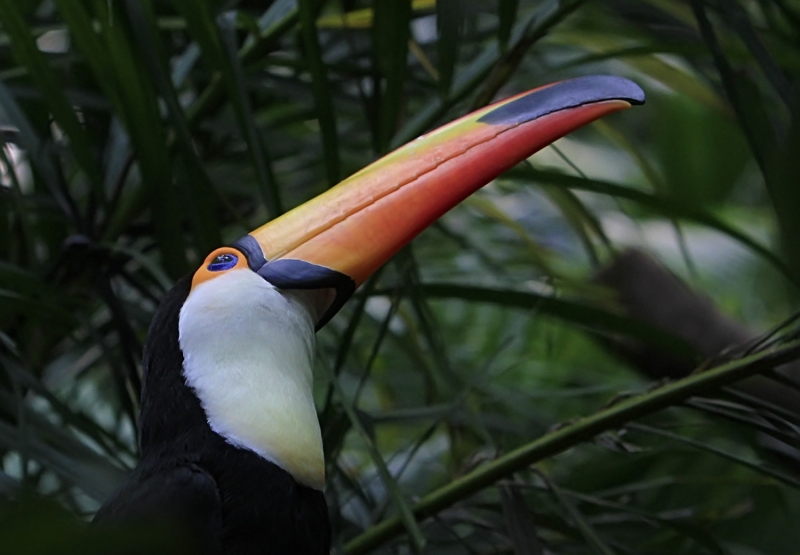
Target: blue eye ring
{"type": "Point", "coordinates": [223, 262]}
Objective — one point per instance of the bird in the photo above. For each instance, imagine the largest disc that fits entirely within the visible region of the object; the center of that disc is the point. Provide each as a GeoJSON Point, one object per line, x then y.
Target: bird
{"type": "Point", "coordinates": [231, 448]}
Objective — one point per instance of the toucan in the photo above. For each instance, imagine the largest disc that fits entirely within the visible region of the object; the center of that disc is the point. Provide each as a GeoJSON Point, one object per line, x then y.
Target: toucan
{"type": "Point", "coordinates": [231, 448]}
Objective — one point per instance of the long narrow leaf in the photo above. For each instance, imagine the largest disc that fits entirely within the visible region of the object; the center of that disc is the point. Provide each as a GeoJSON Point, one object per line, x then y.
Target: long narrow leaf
{"type": "Point", "coordinates": [572, 434]}
{"type": "Point", "coordinates": [405, 515]}
{"type": "Point", "coordinates": [201, 195]}
{"type": "Point", "coordinates": [241, 103]}
{"type": "Point", "coordinates": [322, 96]}
{"type": "Point", "coordinates": [390, 34]}
{"type": "Point", "coordinates": [28, 53]}
{"type": "Point", "coordinates": [752, 465]}
{"type": "Point", "coordinates": [584, 315]}
{"type": "Point", "coordinates": [672, 208]}
{"type": "Point", "coordinates": [586, 529]}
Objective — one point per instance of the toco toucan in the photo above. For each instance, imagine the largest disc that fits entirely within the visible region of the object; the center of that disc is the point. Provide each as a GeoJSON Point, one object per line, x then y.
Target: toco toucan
{"type": "Point", "coordinates": [230, 442]}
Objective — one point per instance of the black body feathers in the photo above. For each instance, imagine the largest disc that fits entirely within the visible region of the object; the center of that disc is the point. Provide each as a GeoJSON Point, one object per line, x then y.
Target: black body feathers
{"type": "Point", "coordinates": [229, 500]}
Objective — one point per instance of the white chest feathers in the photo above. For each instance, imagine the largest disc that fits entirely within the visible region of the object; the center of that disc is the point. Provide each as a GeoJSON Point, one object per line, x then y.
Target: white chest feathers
{"type": "Point", "coordinates": [248, 354]}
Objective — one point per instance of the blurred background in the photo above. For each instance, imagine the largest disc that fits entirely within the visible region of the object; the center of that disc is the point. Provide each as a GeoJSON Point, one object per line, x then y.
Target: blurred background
{"type": "Point", "coordinates": [138, 135]}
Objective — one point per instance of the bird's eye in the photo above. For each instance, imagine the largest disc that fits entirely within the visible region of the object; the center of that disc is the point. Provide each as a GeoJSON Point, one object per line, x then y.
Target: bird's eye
{"type": "Point", "coordinates": [223, 262]}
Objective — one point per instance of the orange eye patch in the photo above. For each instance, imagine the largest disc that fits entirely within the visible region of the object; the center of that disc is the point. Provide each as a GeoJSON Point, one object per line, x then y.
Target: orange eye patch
{"type": "Point", "coordinates": [219, 262]}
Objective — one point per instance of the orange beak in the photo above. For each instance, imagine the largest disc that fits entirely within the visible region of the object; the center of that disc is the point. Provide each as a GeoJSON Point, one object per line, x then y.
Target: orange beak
{"type": "Point", "coordinates": [338, 239]}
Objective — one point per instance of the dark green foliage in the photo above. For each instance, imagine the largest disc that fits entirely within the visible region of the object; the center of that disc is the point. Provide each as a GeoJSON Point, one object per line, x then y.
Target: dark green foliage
{"type": "Point", "coordinates": [476, 379]}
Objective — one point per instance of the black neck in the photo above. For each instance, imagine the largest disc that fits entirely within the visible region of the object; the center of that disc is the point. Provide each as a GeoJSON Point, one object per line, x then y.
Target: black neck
{"type": "Point", "coordinates": [170, 413]}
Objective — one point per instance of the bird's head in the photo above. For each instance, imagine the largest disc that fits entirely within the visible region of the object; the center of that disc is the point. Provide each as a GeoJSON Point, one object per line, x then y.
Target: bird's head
{"type": "Point", "coordinates": [247, 326]}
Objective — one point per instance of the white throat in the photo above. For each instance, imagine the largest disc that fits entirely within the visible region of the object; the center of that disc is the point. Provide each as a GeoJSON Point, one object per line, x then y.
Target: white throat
{"type": "Point", "coordinates": [248, 353]}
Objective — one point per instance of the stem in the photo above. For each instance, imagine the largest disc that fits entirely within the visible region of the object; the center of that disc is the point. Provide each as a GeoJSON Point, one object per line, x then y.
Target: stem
{"type": "Point", "coordinates": [572, 434]}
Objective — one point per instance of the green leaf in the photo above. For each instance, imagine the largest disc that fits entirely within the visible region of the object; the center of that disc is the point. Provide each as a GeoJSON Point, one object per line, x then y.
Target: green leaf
{"type": "Point", "coordinates": [520, 524]}
{"type": "Point", "coordinates": [140, 116]}
{"type": "Point", "coordinates": [547, 15]}
{"type": "Point", "coordinates": [322, 91]}
{"type": "Point", "coordinates": [449, 20]}
{"type": "Point", "coordinates": [435, 108]}
{"type": "Point", "coordinates": [673, 208]}
{"type": "Point", "coordinates": [241, 102]}
{"type": "Point", "coordinates": [219, 45]}
{"type": "Point", "coordinates": [400, 505]}
{"type": "Point", "coordinates": [739, 20]}
{"type": "Point", "coordinates": [586, 529]}
{"type": "Point", "coordinates": [81, 467]}
{"type": "Point", "coordinates": [391, 32]}
{"type": "Point", "coordinates": [41, 154]}
{"type": "Point", "coordinates": [200, 195]}
{"type": "Point", "coordinates": [705, 446]}
{"type": "Point", "coordinates": [570, 435]}
{"type": "Point", "coordinates": [26, 50]}
{"type": "Point", "coordinates": [599, 320]}
{"type": "Point", "coordinates": [507, 15]}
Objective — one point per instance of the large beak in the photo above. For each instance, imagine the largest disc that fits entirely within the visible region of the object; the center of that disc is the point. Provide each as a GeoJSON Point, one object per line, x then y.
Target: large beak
{"type": "Point", "coordinates": [338, 239]}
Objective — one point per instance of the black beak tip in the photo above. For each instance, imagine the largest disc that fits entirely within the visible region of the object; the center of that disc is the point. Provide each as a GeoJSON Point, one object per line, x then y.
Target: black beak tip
{"type": "Point", "coordinates": [563, 95]}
